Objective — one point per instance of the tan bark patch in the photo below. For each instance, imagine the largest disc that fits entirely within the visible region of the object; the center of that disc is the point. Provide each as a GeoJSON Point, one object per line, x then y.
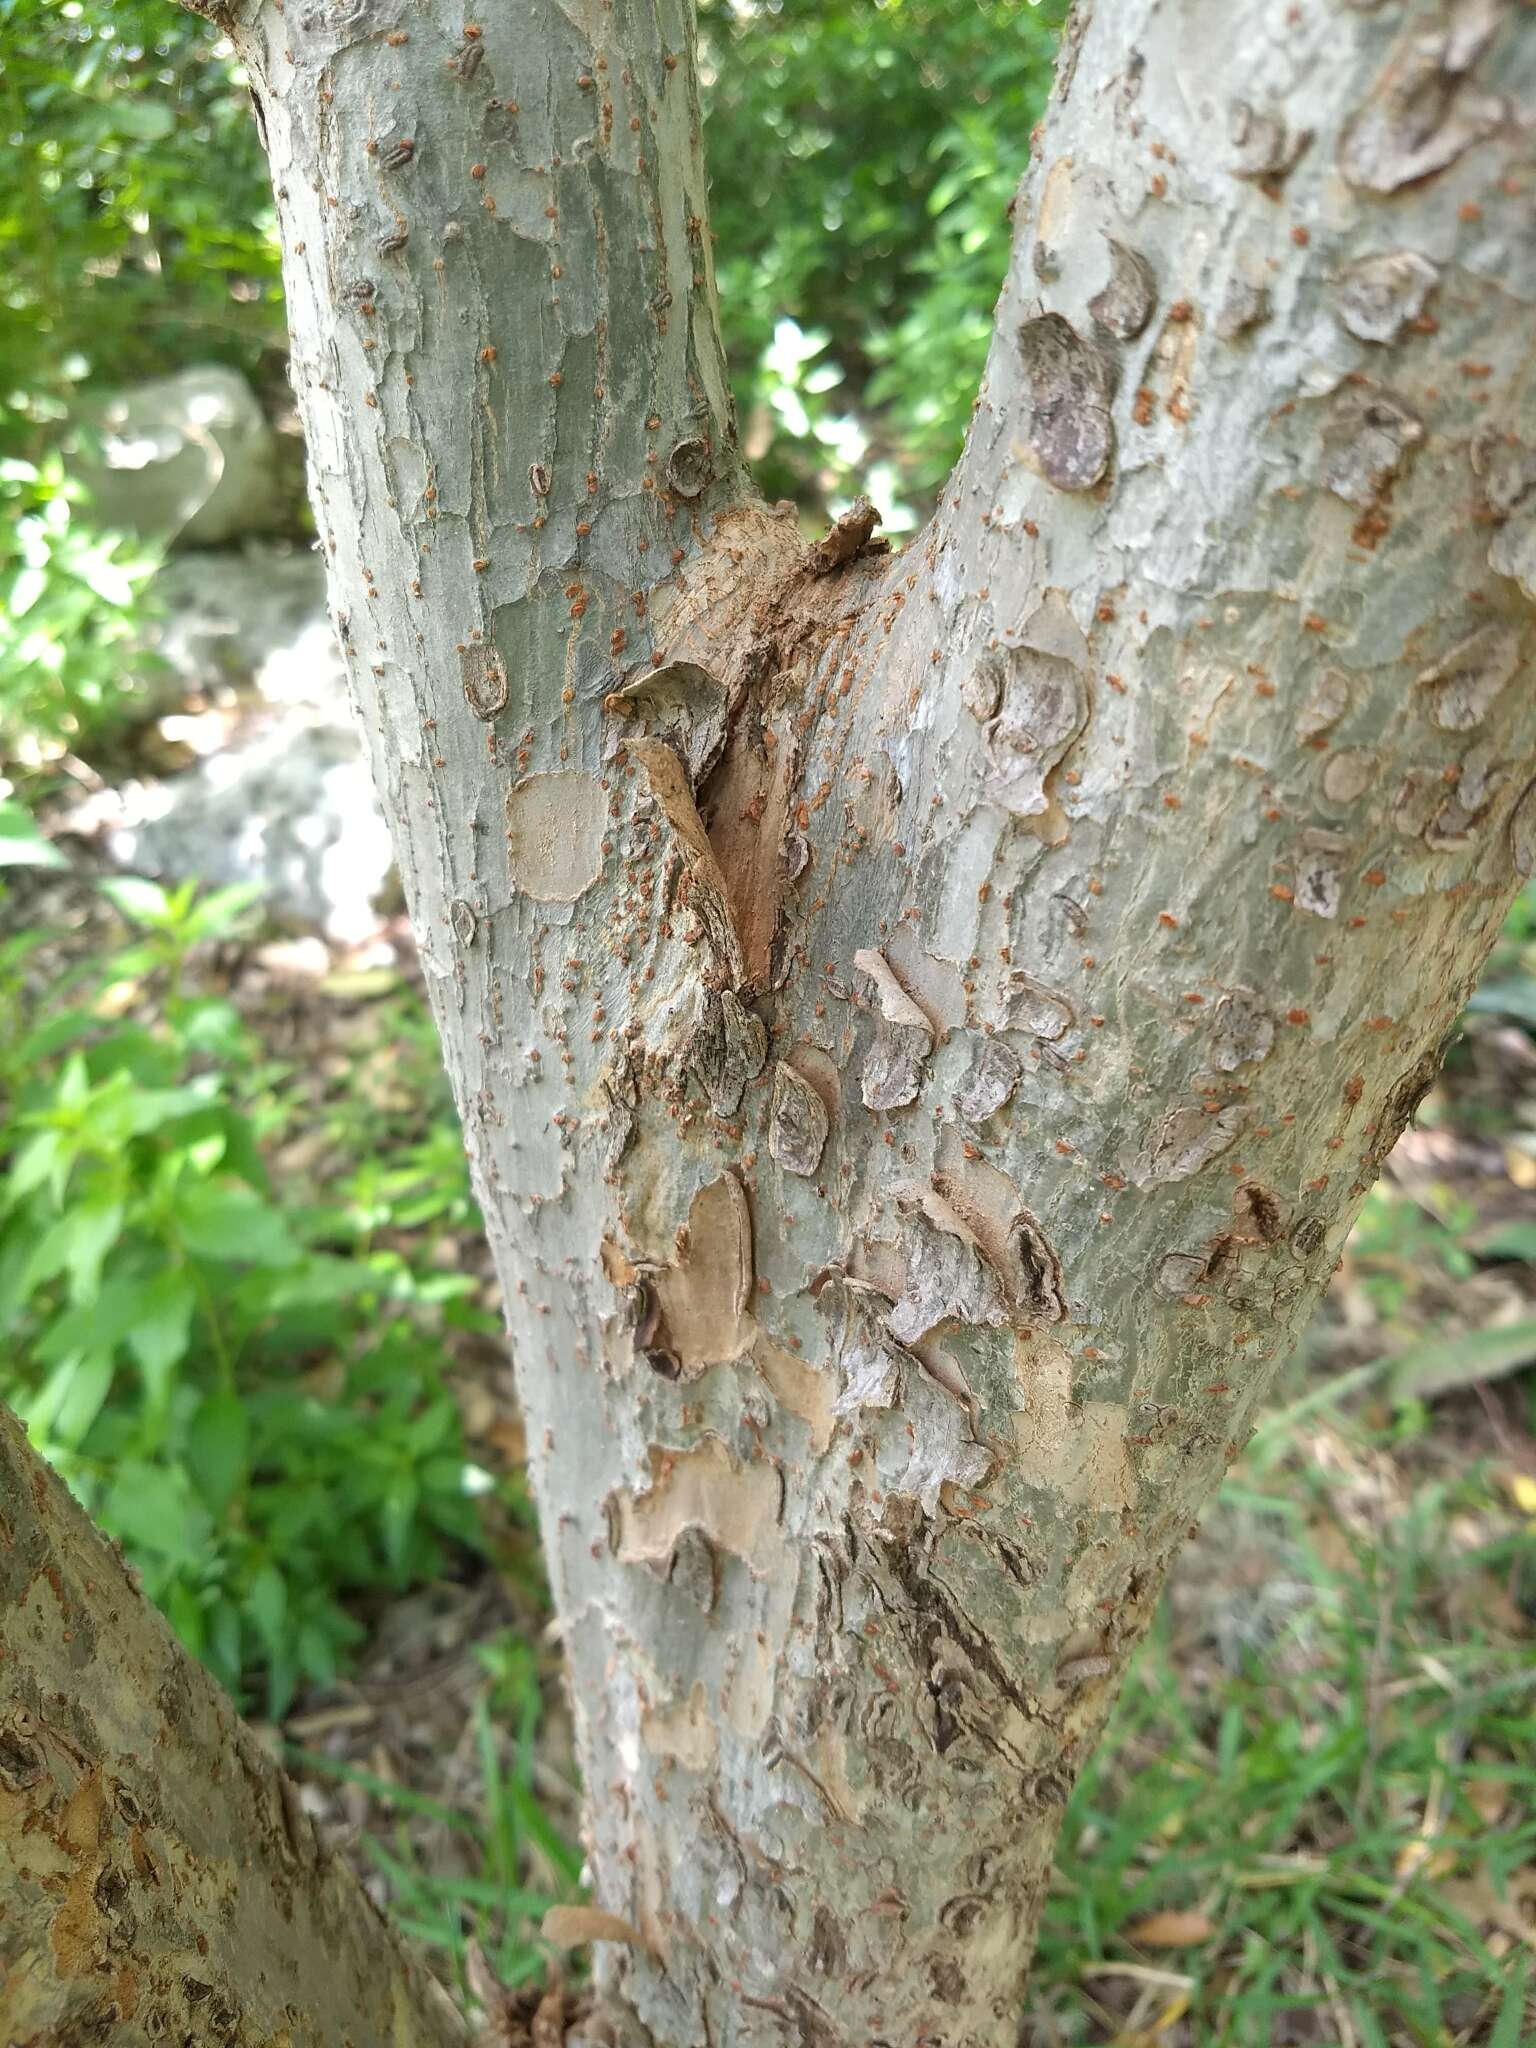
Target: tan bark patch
{"type": "Point", "coordinates": [802, 1389]}
{"type": "Point", "coordinates": [702, 1299]}
{"type": "Point", "coordinates": [684, 1731]}
{"type": "Point", "coordinates": [1078, 1450]}
{"type": "Point", "coordinates": [555, 836]}
{"type": "Point", "coordinates": [736, 1506]}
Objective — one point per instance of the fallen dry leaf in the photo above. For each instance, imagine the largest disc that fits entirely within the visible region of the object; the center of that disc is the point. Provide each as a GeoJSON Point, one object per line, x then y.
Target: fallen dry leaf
{"type": "Point", "coordinates": [1171, 1929]}
{"type": "Point", "coordinates": [574, 1926]}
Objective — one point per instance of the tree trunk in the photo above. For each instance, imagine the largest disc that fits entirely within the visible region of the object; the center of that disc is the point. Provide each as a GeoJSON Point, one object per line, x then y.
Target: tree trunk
{"type": "Point", "coordinates": [158, 1881]}
{"type": "Point", "coordinates": [923, 1022]}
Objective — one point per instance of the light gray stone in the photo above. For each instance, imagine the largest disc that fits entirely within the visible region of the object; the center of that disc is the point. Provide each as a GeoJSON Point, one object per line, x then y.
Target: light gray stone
{"type": "Point", "coordinates": [187, 459]}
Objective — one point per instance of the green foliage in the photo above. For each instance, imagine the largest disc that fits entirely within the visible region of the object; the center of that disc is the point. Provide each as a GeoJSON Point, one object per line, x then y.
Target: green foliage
{"type": "Point", "coordinates": [247, 1393]}
{"type": "Point", "coordinates": [117, 264]}
{"type": "Point", "coordinates": [71, 603]}
{"type": "Point", "coordinates": [120, 257]}
{"type": "Point", "coordinates": [862, 160]}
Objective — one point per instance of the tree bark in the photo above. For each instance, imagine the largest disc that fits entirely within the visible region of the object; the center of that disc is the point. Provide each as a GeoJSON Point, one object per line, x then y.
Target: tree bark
{"type": "Point", "coordinates": [923, 1023]}
{"type": "Point", "coordinates": [158, 1880]}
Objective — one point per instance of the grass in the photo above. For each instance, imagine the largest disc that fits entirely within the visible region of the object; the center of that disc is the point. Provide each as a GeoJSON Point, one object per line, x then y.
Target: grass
{"type": "Point", "coordinates": [479, 1876]}
{"type": "Point", "coordinates": [1333, 1841]}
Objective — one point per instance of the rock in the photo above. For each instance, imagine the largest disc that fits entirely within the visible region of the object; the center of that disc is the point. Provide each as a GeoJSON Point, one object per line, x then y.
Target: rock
{"type": "Point", "coordinates": [188, 459]}
{"type": "Point", "coordinates": [288, 804]}
{"type": "Point", "coordinates": [247, 619]}
{"type": "Point", "coordinates": [279, 792]}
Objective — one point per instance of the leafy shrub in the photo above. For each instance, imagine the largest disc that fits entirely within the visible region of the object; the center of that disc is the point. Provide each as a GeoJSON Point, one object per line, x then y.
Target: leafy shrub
{"type": "Point", "coordinates": [118, 261]}
{"type": "Point", "coordinates": [247, 1394]}
{"type": "Point", "coordinates": [862, 159]}
{"type": "Point", "coordinates": [72, 601]}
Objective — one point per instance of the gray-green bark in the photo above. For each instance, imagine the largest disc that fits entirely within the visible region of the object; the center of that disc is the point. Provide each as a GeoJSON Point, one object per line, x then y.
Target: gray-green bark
{"type": "Point", "coordinates": [922, 1023]}
{"type": "Point", "coordinates": [158, 1880]}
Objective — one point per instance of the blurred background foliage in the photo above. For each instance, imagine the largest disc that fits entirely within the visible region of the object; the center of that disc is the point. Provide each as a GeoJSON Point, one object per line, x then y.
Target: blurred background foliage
{"type": "Point", "coordinates": [244, 1301]}
{"type": "Point", "coordinates": [137, 234]}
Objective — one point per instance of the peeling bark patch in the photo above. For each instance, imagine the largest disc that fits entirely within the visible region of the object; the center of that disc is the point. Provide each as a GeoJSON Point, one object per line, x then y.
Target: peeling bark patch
{"type": "Point", "coordinates": [1326, 704]}
{"type": "Point", "coordinates": [1044, 709]}
{"type": "Point", "coordinates": [848, 539]}
{"type": "Point", "coordinates": [1244, 306]}
{"type": "Point", "coordinates": [1507, 471]}
{"type": "Point", "coordinates": [1126, 303]}
{"type": "Point", "coordinates": [1034, 1007]}
{"type": "Point", "coordinates": [804, 1390]}
{"type": "Point", "coordinates": [1074, 1450]}
{"type": "Point", "coordinates": [729, 1049]}
{"type": "Point", "coordinates": [1367, 440]}
{"type": "Point", "coordinates": [894, 1067]}
{"type": "Point", "coordinates": [484, 677]}
{"type": "Point", "coordinates": [555, 836]}
{"type": "Point", "coordinates": [1178, 1273]}
{"type": "Point", "coordinates": [1185, 1141]}
{"type": "Point", "coordinates": [1262, 144]}
{"type": "Point", "coordinates": [686, 703]}
{"type": "Point", "coordinates": [949, 1278]}
{"type": "Point", "coordinates": [1380, 295]}
{"type": "Point", "coordinates": [736, 1506]}
{"type": "Point", "coordinates": [701, 1302]}
{"type": "Point", "coordinates": [1319, 886]}
{"type": "Point", "coordinates": [871, 1362]}
{"type": "Point", "coordinates": [991, 1078]}
{"type": "Point", "coordinates": [797, 1122]}
{"type": "Point", "coordinates": [1347, 776]}
{"type": "Point", "coordinates": [1424, 111]}
{"type": "Point", "coordinates": [1069, 435]}
{"type": "Point", "coordinates": [1010, 1238]}
{"type": "Point", "coordinates": [684, 1732]}
{"type": "Point", "coordinates": [1464, 683]}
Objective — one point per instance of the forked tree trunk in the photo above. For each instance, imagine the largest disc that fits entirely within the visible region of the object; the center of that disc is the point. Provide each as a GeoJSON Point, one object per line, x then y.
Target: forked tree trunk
{"type": "Point", "coordinates": [923, 1022]}
{"type": "Point", "coordinates": [158, 1880]}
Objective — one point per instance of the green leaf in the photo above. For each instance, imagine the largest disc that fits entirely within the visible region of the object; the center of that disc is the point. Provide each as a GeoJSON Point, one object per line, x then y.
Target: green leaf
{"type": "Point", "coordinates": [1509, 2027]}
{"type": "Point", "coordinates": [43, 1157]}
{"type": "Point", "coordinates": [221, 910]}
{"type": "Point", "coordinates": [22, 845]}
{"type": "Point", "coordinates": [141, 901]}
{"type": "Point", "coordinates": [235, 1224]}
{"type": "Point", "coordinates": [1440, 1364]}
{"type": "Point", "coordinates": [82, 1399]}
{"type": "Point", "coordinates": [143, 119]}
{"type": "Point", "coordinates": [1515, 1239]}
{"type": "Point", "coordinates": [91, 1230]}
{"type": "Point", "coordinates": [1515, 999]}
{"type": "Point", "coordinates": [150, 1508]}
{"type": "Point", "coordinates": [266, 1602]}
{"type": "Point", "coordinates": [398, 1517]}
{"type": "Point", "coordinates": [217, 1448]}
{"type": "Point", "coordinates": [160, 1329]}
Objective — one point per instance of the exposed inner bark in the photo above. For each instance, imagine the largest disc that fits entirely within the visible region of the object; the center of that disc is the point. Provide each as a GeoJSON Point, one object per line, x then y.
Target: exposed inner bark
{"type": "Point", "coordinates": [923, 1024]}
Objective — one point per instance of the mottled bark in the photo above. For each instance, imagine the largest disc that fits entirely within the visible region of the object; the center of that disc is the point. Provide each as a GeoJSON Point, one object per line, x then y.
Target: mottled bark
{"type": "Point", "coordinates": [158, 1881]}
{"type": "Point", "coordinates": [924, 1023]}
